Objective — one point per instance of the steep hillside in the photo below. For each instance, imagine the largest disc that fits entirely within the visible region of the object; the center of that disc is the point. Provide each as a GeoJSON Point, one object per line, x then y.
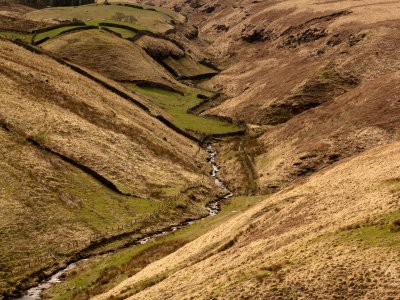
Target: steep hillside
{"type": "Point", "coordinates": [334, 237]}
{"type": "Point", "coordinates": [361, 119]}
{"type": "Point", "coordinates": [118, 59]}
{"type": "Point", "coordinates": [317, 84]}
{"type": "Point", "coordinates": [327, 71]}
{"type": "Point", "coordinates": [101, 149]}
{"type": "Point", "coordinates": [78, 160]}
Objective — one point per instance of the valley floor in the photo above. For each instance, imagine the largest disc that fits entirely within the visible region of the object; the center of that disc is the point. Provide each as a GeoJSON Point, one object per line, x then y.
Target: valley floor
{"type": "Point", "coordinates": [106, 112]}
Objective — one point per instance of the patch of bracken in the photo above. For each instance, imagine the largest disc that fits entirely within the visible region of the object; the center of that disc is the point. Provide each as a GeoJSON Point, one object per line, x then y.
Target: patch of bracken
{"type": "Point", "coordinates": [334, 40]}
{"type": "Point", "coordinates": [355, 39]}
{"type": "Point", "coordinates": [257, 35]}
{"type": "Point", "coordinates": [192, 33]}
{"type": "Point", "coordinates": [177, 8]}
{"type": "Point", "coordinates": [306, 36]}
{"type": "Point", "coordinates": [209, 9]}
{"type": "Point", "coordinates": [221, 27]}
{"type": "Point", "coordinates": [194, 4]}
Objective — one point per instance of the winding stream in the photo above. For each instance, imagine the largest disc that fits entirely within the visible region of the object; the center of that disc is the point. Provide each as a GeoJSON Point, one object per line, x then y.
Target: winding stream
{"type": "Point", "coordinates": [214, 207]}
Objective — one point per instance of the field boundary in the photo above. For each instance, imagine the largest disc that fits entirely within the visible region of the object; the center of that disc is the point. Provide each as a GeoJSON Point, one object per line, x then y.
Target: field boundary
{"type": "Point", "coordinates": [123, 94]}
{"type": "Point", "coordinates": [87, 170]}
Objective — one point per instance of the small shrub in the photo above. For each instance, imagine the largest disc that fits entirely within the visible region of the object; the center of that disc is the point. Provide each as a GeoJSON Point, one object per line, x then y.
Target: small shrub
{"type": "Point", "coordinates": [395, 227]}
{"type": "Point", "coordinates": [121, 17]}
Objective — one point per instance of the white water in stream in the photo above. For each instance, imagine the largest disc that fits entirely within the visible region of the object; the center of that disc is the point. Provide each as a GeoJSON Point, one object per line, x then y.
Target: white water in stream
{"type": "Point", "coordinates": [213, 208]}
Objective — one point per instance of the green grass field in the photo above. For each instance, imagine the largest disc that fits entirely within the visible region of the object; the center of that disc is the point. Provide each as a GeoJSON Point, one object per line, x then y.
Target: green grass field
{"type": "Point", "coordinates": [96, 22]}
{"type": "Point", "coordinates": [54, 32]}
{"type": "Point", "coordinates": [16, 36]}
{"type": "Point", "coordinates": [177, 105]}
{"type": "Point", "coordinates": [127, 262]}
{"type": "Point", "coordinates": [187, 67]}
{"type": "Point", "coordinates": [102, 207]}
{"type": "Point", "coordinates": [125, 33]}
{"type": "Point", "coordinates": [148, 19]}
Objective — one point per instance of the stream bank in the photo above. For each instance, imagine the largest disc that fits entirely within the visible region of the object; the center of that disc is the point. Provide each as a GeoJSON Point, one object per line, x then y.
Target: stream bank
{"type": "Point", "coordinates": [213, 208]}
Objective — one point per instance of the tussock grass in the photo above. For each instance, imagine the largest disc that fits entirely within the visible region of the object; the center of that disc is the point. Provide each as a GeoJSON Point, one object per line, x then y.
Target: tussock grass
{"type": "Point", "coordinates": [47, 203]}
{"type": "Point", "coordinates": [128, 262]}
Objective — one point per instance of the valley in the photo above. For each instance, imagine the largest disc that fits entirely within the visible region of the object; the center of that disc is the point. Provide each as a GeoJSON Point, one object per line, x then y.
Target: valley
{"type": "Point", "coordinates": [199, 150]}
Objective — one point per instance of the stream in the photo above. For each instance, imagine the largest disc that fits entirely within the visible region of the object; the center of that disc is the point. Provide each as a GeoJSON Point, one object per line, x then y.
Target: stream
{"type": "Point", "coordinates": [214, 207]}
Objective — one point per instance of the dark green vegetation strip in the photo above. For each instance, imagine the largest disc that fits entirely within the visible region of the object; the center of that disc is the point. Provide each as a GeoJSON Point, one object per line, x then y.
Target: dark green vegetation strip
{"type": "Point", "coordinates": [116, 25]}
{"type": "Point", "coordinates": [57, 26]}
{"type": "Point", "coordinates": [156, 85]}
{"type": "Point", "coordinates": [63, 30]}
{"type": "Point", "coordinates": [177, 105]}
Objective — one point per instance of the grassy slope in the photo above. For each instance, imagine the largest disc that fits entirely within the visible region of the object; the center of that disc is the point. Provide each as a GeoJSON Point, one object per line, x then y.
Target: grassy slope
{"type": "Point", "coordinates": [16, 36]}
{"type": "Point", "coordinates": [146, 18]}
{"type": "Point", "coordinates": [124, 61]}
{"type": "Point", "coordinates": [138, 26]}
{"type": "Point", "coordinates": [67, 203]}
{"type": "Point", "coordinates": [109, 55]}
{"type": "Point", "coordinates": [331, 236]}
{"type": "Point", "coordinates": [125, 33]}
{"type": "Point", "coordinates": [126, 262]}
{"type": "Point", "coordinates": [46, 200]}
{"type": "Point", "coordinates": [177, 106]}
{"type": "Point", "coordinates": [353, 68]}
{"type": "Point", "coordinates": [54, 32]}
{"type": "Point", "coordinates": [166, 11]}
{"type": "Point", "coordinates": [186, 67]}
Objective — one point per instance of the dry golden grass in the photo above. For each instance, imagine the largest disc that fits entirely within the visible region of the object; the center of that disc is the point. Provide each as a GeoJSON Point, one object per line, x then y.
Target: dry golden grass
{"type": "Point", "coordinates": [47, 202]}
{"type": "Point", "coordinates": [297, 244]}
{"type": "Point", "coordinates": [91, 127]}
{"type": "Point", "coordinates": [330, 71]}
{"type": "Point", "coordinates": [116, 58]}
{"type": "Point", "coordinates": [160, 49]}
{"type": "Point", "coordinates": [155, 19]}
{"type": "Point", "coordinates": [346, 78]}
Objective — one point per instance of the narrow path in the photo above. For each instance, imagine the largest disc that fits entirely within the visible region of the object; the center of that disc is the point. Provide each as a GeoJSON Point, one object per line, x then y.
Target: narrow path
{"type": "Point", "coordinates": [214, 207]}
